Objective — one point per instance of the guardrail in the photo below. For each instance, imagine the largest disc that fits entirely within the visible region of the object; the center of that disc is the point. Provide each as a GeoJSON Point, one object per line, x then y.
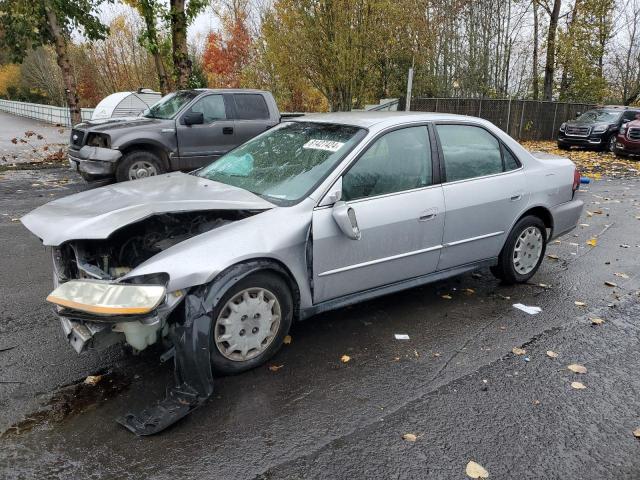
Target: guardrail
{"type": "Point", "coordinates": [44, 113]}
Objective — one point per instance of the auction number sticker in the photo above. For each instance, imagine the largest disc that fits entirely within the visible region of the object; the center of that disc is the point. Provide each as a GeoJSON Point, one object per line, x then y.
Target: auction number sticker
{"type": "Point", "coordinates": [328, 145]}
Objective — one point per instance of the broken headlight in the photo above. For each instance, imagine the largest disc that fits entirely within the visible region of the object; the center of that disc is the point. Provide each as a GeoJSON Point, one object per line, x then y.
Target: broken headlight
{"type": "Point", "coordinates": [98, 140]}
{"type": "Point", "coordinates": [108, 298]}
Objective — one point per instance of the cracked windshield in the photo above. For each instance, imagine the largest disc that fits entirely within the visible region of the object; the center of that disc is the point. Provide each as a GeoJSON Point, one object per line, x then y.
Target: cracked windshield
{"type": "Point", "coordinates": [285, 163]}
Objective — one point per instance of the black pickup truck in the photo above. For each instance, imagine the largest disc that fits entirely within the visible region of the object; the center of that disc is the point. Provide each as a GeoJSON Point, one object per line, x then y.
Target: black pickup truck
{"type": "Point", "coordinates": [183, 131]}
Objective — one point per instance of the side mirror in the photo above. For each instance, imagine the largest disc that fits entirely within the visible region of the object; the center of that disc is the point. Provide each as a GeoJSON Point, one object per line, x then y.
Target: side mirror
{"type": "Point", "coordinates": [345, 217]}
{"type": "Point", "coordinates": [626, 120]}
{"type": "Point", "coordinates": [193, 118]}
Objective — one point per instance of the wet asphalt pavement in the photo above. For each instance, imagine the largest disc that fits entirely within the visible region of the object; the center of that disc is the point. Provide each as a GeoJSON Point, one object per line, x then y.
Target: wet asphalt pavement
{"type": "Point", "coordinates": [455, 384]}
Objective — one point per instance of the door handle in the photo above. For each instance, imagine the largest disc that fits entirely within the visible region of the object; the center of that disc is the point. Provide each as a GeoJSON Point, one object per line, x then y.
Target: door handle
{"type": "Point", "coordinates": [227, 130]}
{"type": "Point", "coordinates": [428, 215]}
{"type": "Point", "coordinates": [516, 197]}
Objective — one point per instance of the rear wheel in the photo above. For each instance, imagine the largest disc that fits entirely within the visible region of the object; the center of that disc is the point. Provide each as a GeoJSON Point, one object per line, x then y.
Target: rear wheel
{"type": "Point", "coordinates": [523, 251]}
{"type": "Point", "coordinates": [139, 164]}
{"type": "Point", "coordinates": [251, 322]}
{"type": "Point", "coordinates": [612, 143]}
{"type": "Point", "coordinates": [563, 146]}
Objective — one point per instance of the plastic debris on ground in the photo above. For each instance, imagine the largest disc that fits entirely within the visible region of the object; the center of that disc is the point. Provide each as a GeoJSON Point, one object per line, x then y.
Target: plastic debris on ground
{"type": "Point", "coordinates": [528, 309]}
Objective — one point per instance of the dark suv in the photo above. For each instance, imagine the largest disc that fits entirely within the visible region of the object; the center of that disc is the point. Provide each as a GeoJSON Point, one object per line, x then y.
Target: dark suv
{"type": "Point", "coordinates": [595, 129]}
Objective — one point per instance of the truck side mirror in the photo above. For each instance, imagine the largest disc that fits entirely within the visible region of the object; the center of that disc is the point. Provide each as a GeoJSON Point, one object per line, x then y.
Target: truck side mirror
{"type": "Point", "coordinates": [193, 118]}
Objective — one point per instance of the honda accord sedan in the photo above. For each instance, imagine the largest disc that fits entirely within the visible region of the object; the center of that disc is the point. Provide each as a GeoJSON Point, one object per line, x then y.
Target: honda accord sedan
{"type": "Point", "coordinates": [319, 212]}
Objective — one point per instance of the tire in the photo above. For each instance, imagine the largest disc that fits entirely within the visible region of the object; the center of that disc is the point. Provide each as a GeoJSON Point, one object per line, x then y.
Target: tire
{"type": "Point", "coordinates": [611, 144]}
{"type": "Point", "coordinates": [509, 269]}
{"type": "Point", "coordinates": [562, 146]}
{"type": "Point", "coordinates": [139, 164]}
{"type": "Point", "coordinates": [234, 323]}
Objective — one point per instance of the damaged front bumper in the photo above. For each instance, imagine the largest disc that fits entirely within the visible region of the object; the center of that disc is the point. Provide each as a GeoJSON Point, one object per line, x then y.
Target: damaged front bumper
{"type": "Point", "coordinates": [79, 300]}
{"type": "Point", "coordinates": [94, 161]}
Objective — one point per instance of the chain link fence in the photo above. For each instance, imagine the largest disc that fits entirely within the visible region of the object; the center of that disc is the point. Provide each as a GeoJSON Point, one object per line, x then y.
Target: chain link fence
{"type": "Point", "coordinates": [522, 119]}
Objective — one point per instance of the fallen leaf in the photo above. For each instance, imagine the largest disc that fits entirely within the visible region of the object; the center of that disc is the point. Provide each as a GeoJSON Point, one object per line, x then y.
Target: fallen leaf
{"type": "Point", "coordinates": [636, 432]}
{"type": "Point", "coordinates": [409, 437]}
{"type": "Point", "coordinates": [469, 291]}
{"type": "Point", "coordinates": [578, 385]}
{"type": "Point", "coordinates": [92, 379]}
{"type": "Point", "coordinates": [446, 297]}
{"type": "Point", "coordinates": [287, 340]}
{"type": "Point", "coordinates": [544, 285]}
{"type": "Point", "coordinates": [580, 304]}
{"type": "Point", "coordinates": [589, 214]}
{"type": "Point", "coordinates": [592, 242]}
{"type": "Point", "coordinates": [597, 321]}
{"type": "Point", "coordinates": [15, 219]}
{"type": "Point", "coordinates": [275, 368]}
{"type": "Point", "coordinates": [553, 257]}
{"type": "Point", "coordinates": [475, 470]}
{"type": "Point", "coordinates": [584, 224]}
{"type": "Point", "coordinates": [518, 351]}
{"type": "Point", "coordinates": [536, 402]}
{"type": "Point", "coordinates": [621, 275]}
{"type": "Point", "coordinates": [577, 368]}
{"type": "Point", "coordinates": [345, 358]}
{"type": "Point", "coordinates": [610, 284]}
{"type": "Point", "coordinates": [552, 354]}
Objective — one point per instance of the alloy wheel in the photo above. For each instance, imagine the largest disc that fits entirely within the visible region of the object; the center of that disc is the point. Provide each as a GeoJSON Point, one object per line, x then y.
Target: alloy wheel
{"type": "Point", "coordinates": [142, 169]}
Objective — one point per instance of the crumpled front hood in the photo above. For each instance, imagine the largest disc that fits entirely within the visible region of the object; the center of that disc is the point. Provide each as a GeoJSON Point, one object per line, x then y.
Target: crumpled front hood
{"type": "Point", "coordinates": [96, 214]}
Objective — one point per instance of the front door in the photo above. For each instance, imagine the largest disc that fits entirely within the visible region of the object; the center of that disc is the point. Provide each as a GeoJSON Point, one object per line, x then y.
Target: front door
{"type": "Point", "coordinates": [400, 214]}
{"type": "Point", "coordinates": [199, 145]}
{"type": "Point", "coordinates": [484, 190]}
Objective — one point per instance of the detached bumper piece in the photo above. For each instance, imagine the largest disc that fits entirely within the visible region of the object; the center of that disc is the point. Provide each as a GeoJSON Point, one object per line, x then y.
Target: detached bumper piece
{"type": "Point", "coordinates": [193, 375]}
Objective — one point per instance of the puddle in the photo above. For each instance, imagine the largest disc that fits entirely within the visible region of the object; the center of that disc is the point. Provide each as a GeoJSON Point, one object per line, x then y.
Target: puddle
{"type": "Point", "coordinates": [72, 400]}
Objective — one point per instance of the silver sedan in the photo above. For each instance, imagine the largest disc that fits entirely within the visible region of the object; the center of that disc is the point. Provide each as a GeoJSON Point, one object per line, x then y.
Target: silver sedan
{"type": "Point", "coordinates": [317, 213]}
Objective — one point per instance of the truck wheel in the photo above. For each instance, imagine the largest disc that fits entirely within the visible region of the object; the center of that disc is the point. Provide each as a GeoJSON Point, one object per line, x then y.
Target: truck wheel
{"type": "Point", "coordinates": [563, 146]}
{"type": "Point", "coordinates": [250, 323]}
{"type": "Point", "coordinates": [612, 143]}
{"type": "Point", "coordinates": [522, 252]}
{"type": "Point", "coordinates": [139, 164]}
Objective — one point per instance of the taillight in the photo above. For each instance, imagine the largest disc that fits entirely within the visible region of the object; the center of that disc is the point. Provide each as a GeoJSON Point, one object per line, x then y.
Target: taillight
{"type": "Point", "coordinates": [576, 180]}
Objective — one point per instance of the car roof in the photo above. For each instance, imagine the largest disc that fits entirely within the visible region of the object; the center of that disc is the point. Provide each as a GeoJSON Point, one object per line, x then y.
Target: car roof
{"type": "Point", "coordinates": [368, 119]}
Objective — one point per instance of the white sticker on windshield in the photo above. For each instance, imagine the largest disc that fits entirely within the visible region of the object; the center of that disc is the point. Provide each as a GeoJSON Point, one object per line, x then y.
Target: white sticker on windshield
{"type": "Point", "coordinates": [328, 145]}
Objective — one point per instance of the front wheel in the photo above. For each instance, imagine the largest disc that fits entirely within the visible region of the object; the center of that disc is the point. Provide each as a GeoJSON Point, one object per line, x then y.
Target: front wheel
{"type": "Point", "coordinates": [612, 143]}
{"type": "Point", "coordinates": [250, 323]}
{"type": "Point", "coordinates": [139, 164]}
{"type": "Point", "coordinates": [523, 251]}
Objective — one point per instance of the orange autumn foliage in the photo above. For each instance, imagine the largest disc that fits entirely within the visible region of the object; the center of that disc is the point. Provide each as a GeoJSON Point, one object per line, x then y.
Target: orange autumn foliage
{"type": "Point", "coordinates": [227, 53]}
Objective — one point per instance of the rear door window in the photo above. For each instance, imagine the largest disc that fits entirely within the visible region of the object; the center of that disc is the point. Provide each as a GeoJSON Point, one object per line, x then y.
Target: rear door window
{"type": "Point", "coordinates": [251, 106]}
{"type": "Point", "coordinates": [469, 152]}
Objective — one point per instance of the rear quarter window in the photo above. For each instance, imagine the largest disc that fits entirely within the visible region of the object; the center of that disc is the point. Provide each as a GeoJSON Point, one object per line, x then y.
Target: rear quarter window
{"type": "Point", "coordinates": [251, 106]}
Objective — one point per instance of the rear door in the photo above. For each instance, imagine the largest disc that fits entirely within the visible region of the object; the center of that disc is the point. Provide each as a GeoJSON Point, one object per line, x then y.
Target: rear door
{"type": "Point", "coordinates": [199, 145]}
{"type": "Point", "coordinates": [252, 115]}
{"type": "Point", "coordinates": [484, 192]}
{"type": "Point", "coordinates": [399, 209]}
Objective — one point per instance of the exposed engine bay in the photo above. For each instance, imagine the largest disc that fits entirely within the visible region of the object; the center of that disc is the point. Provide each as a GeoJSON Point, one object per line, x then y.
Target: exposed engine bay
{"type": "Point", "coordinates": [130, 246]}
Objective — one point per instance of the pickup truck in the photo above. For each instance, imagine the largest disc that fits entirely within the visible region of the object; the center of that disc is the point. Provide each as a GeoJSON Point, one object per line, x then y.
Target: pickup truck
{"type": "Point", "coordinates": [185, 130]}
